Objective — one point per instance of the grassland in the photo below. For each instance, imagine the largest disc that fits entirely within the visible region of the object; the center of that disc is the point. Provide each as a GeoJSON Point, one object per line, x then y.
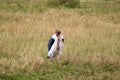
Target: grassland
{"type": "Point", "coordinates": [92, 40]}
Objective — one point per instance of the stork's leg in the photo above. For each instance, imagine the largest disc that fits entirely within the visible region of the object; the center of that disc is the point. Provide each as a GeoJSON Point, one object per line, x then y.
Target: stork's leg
{"type": "Point", "coordinates": [55, 54]}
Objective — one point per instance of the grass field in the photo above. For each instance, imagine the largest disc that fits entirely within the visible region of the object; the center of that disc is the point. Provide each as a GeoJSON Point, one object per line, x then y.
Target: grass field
{"type": "Point", "coordinates": [92, 40]}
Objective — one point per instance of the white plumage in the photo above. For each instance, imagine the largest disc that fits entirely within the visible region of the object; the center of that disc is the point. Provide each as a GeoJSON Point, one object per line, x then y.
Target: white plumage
{"type": "Point", "coordinates": [53, 52]}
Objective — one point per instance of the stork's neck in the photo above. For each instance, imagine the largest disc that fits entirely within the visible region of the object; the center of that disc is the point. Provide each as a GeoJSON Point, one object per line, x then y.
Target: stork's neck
{"type": "Point", "coordinates": [58, 40]}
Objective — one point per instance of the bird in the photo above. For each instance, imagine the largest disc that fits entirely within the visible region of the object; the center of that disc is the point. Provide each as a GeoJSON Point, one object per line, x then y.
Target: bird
{"type": "Point", "coordinates": [55, 45]}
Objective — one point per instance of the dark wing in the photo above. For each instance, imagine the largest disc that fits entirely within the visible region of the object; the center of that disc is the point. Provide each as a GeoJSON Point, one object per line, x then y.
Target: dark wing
{"type": "Point", "coordinates": [63, 40]}
{"type": "Point", "coordinates": [50, 43]}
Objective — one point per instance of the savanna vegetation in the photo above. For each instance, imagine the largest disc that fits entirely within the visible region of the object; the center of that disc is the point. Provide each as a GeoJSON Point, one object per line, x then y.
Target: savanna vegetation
{"type": "Point", "coordinates": [91, 29]}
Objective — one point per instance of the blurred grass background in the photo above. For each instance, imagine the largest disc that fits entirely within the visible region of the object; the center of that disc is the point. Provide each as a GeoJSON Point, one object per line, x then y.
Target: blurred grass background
{"type": "Point", "coordinates": [104, 6]}
{"type": "Point", "coordinates": [92, 39]}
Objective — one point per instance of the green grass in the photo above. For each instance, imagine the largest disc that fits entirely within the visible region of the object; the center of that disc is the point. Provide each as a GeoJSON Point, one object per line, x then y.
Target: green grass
{"type": "Point", "coordinates": [39, 5]}
{"type": "Point", "coordinates": [23, 6]}
{"type": "Point", "coordinates": [62, 71]}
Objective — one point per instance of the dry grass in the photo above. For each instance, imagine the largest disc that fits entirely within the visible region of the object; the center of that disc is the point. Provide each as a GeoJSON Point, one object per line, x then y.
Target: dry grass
{"type": "Point", "coordinates": [93, 38]}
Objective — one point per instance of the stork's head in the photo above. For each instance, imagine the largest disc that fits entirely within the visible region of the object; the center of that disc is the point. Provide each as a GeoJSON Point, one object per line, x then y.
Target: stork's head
{"type": "Point", "coordinates": [57, 32]}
